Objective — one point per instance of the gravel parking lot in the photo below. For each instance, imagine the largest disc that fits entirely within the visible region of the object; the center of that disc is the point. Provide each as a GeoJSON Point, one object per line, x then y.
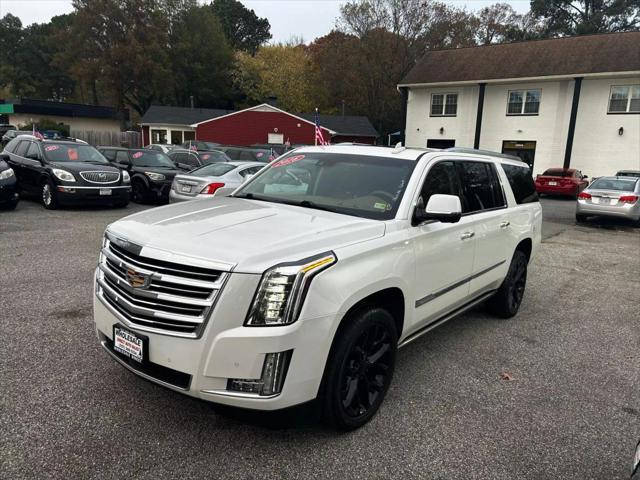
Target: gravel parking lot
{"type": "Point", "coordinates": [551, 394]}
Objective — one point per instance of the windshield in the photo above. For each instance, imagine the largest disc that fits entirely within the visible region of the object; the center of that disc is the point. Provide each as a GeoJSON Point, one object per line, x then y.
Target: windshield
{"type": "Point", "coordinates": [212, 157]}
{"type": "Point", "coordinates": [359, 185]}
{"type": "Point", "coordinates": [213, 170]}
{"type": "Point", "coordinates": [613, 184]}
{"type": "Point", "coordinates": [60, 152]}
{"type": "Point", "coordinates": [151, 158]}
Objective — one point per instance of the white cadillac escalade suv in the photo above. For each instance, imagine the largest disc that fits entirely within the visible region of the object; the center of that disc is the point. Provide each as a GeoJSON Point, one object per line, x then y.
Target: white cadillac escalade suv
{"type": "Point", "coordinates": [306, 280]}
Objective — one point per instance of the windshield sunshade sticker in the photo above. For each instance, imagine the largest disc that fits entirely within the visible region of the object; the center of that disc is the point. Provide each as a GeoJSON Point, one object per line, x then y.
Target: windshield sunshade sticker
{"type": "Point", "coordinates": [287, 161]}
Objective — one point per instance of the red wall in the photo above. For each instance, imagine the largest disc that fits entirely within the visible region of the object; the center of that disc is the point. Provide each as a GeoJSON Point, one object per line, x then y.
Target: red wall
{"type": "Point", "coordinates": [247, 128]}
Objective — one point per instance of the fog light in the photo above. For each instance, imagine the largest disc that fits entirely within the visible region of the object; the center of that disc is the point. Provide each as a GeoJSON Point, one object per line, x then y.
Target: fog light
{"type": "Point", "coordinates": [66, 190]}
{"type": "Point", "coordinates": [274, 370]}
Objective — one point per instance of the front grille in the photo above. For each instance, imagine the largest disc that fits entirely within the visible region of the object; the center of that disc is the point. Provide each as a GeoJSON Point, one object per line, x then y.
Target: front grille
{"type": "Point", "coordinates": [172, 298]}
{"type": "Point", "coordinates": [100, 177]}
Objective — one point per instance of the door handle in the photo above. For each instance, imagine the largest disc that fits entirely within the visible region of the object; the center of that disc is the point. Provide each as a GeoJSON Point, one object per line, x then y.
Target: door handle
{"type": "Point", "coordinates": [467, 235]}
{"type": "Point", "coordinates": [504, 224]}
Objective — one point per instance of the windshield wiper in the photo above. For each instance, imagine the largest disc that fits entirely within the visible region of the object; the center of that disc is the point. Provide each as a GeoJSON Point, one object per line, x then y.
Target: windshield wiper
{"type": "Point", "coordinates": [310, 204]}
{"type": "Point", "coordinates": [251, 196]}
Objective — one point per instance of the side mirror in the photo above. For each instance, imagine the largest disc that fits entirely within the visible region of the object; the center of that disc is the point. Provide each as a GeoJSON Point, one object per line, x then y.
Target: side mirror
{"type": "Point", "coordinates": [584, 177]}
{"type": "Point", "coordinates": [442, 208]}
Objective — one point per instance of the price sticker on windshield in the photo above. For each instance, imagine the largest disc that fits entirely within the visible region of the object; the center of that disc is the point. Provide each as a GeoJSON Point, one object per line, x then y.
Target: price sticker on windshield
{"type": "Point", "coordinates": [51, 148]}
{"type": "Point", "coordinates": [287, 161]}
{"type": "Point", "coordinates": [72, 153]}
{"type": "Point", "coordinates": [206, 157]}
{"type": "Point", "coordinates": [137, 155]}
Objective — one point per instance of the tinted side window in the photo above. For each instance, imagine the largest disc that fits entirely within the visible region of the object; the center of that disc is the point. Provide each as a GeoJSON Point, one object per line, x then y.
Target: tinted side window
{"type": "Point", "coordinates": [522, 184]}
{"type": "Point", "coordinates": [109, 154]}
{"type": "Point", "coordinates": [191, 159]}
{"type": "Point", "coordinates": [10, 147]}
{"type": "Point", "coordinates": [233, 154]}
{"type": "Point", "coordinates": [22, 148]}
{"type": "Point", "coordinates": [122, 156]}
{"type": "Point", "coordinates": [441, 179]}
{"type": "Point", "coordinates": [481, 190]}
{"type": "Point", "coordinates": [33, 151]}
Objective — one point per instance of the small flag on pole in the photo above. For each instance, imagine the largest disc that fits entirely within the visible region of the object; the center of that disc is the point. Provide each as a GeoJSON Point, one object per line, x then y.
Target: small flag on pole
{"type": "Point", "coordinates": [319, 140]}
{"type": "Point", "coordinates": [36, 133]}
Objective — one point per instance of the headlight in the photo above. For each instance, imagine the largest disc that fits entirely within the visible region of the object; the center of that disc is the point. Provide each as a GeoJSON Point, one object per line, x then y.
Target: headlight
{"type": "Point", "coordinates": [154, 176]}
{"type": "Point", "coordinates": [63, 175]}
{"type": "Point", "coordinates": [282, 289]}
{"type": "Point", "coordinates": [125, 176]}
{"type": "Point", "coordinates": [8, 173]}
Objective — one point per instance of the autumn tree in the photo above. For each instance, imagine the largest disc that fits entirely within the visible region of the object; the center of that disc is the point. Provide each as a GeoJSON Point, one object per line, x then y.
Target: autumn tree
{"type": "Point", "coordinates": [579, 17]}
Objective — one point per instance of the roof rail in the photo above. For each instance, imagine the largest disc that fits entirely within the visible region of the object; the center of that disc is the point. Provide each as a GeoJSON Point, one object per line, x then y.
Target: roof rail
{"type": "Point", "coordinates": [483, 152]}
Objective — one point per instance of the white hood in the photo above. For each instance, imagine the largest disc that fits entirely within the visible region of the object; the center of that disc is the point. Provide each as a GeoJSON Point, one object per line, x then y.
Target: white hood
{"type": "Point", "coordinates": [248, 235]}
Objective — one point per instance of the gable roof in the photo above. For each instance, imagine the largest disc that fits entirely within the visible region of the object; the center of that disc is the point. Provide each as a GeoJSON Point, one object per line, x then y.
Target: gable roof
{"type": "Point", "coordinates": [180, 115]}
{"type": "Point", "coordinates": [581, 55]}
{"type": "Point", "coordinates": [347, 125]}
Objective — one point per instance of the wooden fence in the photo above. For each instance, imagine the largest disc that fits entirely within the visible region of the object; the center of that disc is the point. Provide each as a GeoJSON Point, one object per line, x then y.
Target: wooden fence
{"type": "Point", "coordinates": [128, 139]}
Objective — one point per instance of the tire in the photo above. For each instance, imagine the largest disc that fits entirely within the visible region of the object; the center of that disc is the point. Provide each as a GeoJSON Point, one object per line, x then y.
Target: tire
{"type": "Point", "coordinates": [139, 192]}
{"type": "Point", "coordinates": [49, 196]}
{"type": "Point", "coordinates": [353, 372]}
{"type": "Point", "coordinates": [506, 302]}
{"type": "Point", "coordinates": [580, 218]}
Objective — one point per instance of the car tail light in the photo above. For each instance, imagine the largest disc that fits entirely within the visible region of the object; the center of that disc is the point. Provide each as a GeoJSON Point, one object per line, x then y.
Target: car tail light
{"type": "Point", "coordinates": [584, 195]}
{"type": "Point", "coordinates": [628, 198]}
{"type": "Point", "coordinates": [211, 188]}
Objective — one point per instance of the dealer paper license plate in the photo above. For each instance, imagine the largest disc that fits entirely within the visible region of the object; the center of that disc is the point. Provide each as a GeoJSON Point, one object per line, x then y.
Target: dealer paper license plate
{"type": "Point", "coordinates": [105, 191]}
{"type": "Point", "coordinates": [185, 188]}
{"type": "Point", "coordinates": [129, 344]}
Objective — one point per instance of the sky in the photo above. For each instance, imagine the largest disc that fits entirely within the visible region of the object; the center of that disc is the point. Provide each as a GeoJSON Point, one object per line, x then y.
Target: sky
{"type": "Point", "coordinates": [308, 19]}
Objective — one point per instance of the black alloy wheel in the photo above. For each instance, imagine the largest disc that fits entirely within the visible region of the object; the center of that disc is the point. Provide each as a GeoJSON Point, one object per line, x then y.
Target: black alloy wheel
{"type": "Point", "coordinates": [360, 368]}
{"type": "Point", "coordinates": [138, 192]}
{"type": "Point", "coordinates": [506, 302]}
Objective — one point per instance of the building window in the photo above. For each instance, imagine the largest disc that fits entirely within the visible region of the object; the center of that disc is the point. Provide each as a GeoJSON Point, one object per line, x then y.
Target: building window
{"type": "Point", "coordinates": [523, 102]}
{"type": "Point", "coordinates": [444, 104]}
{"type": "Point", "coordinates": [624, 99]}
{"type": "Point", "coordinates": [159, 136]}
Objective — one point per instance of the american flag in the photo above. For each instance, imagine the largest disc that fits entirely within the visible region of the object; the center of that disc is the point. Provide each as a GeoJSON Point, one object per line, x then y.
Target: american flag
{"type": "Point", "coordinates": [36, 133]}
{"type": "Point", "coordinates": [319, 137]}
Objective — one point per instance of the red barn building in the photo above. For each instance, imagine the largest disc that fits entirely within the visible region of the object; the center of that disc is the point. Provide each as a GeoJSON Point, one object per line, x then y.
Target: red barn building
{"type": "Point", "coordinates": [255, 125]}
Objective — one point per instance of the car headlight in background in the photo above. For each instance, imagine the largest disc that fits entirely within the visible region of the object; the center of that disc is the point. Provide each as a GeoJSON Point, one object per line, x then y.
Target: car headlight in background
{"type": "Point", "coordinates": [156, 177]}
{"type": "Point", "coordinates": [8, 173]}
{"type": "Point", "coordinates": [125, 176]}
{"type": "Point", "coordinates": [282, 289]}
{"type": "Point", "coordinates": [63, 175]}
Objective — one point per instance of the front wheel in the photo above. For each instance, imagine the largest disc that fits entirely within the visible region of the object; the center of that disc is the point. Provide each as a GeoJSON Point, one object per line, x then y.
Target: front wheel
{"type": "Point", "coordinates": [139, 192]}
{"type": "Point", "coordinates": [506, 302]}
{"type": "Point", "coordinates": [49, 195]}
{"type": "Point", "coordinates": [359, 369]}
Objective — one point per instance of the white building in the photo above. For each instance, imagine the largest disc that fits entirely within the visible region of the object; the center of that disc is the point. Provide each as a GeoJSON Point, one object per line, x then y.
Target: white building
{"type": "Point", "coordinates": [572, 102]}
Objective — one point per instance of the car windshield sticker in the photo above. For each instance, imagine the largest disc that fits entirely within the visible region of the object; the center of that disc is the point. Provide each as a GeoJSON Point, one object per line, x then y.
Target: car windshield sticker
{"type": "Point", "coordinates": [205, 157]}
{"type": "Point", "coordinates": [72, 153]}
{"type": "Point", "coordinates": [51, 148]}
{"type": "Point", "coordinates": [137, 155]}
{"type": "Point", "coordinates": [259, 154]}
{"type": "Point", "coordinates": [380, 205]}
{"type": "Point", "coordinates": [287, 161]}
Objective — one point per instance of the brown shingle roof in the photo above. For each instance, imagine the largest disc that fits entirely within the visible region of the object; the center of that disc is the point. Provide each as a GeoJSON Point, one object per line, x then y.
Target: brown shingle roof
{"type": "Point", "coordinates": [613, 52]}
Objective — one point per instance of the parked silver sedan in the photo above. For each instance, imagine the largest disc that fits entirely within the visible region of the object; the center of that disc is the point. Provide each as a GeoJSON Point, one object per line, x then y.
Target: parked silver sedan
{"type": "Point", "coordinates": [203, 182]}
{"type": "Point", "coordinates": [610, 197]}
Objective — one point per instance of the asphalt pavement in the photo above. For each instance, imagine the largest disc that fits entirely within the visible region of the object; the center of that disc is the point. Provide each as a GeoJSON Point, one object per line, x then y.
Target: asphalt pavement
{"type": "Point", "coordinates": [553, 393]}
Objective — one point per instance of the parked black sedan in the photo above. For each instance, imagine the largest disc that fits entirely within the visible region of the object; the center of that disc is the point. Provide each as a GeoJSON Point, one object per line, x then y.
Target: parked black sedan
{"type": "Point", "coordinates": [8, 185]}
{"type": "Point", "coordinates": [151, 172]}
{"type": "Point", "coordinates": [66, 172]}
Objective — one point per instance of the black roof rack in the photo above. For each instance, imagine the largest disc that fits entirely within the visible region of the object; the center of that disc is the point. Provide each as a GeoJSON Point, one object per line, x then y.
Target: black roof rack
{"type": "Point", "coordinates": [483, 152]}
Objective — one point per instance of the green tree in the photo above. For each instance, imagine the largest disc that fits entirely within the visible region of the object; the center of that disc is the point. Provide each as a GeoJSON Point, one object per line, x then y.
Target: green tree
{"type": "Point", "coordinates": [10, 39]}
{"type": "Point", "coordinates": [242, 27]}
{"type": "Point", "coordinates": [201, 59]}
{"type": "Point", "coordinates": [580, 17]}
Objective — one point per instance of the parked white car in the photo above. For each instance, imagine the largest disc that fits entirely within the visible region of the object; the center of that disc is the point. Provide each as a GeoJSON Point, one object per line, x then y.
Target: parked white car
{"type": "Point", "coordinates": [205, 181]}
{"type": "Point", "coordinates": [305, 282]}
{"type": "Point", "coordinates": [162, 147]}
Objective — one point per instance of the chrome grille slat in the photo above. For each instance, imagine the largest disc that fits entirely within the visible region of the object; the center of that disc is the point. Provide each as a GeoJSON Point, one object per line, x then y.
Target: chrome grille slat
{"type": "Point", "coordinates": [172, 299]}
{"type": "Point", "coordinates": [94, 176]}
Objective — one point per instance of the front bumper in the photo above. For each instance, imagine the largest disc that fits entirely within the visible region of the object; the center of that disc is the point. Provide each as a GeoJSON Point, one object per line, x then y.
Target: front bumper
{"type": "Point", "coordinates": [8, 192]}
{"type": "Point", "coordinates": [627, 210]}
{"type": "Point", "coordinates": [226, 349]}
{"type": "Point", "coordinates": [71, 195]}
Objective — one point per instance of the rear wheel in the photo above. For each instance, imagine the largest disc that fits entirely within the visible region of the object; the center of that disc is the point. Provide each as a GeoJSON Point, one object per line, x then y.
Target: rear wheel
{"type": "Point", "coordinates": [506, 302]}
{"type": "Point", "coordinates": [49, 195]}
{"type": "Point", "coordinates": [359, 369]}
